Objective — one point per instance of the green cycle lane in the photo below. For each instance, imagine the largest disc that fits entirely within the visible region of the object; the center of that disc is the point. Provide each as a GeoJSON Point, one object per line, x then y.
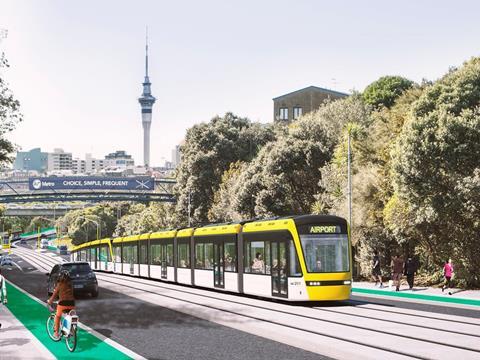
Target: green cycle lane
{"type": "Point", "coordinates": [33, 316]}
{"type": "Point", "coordinates": [405, 295]}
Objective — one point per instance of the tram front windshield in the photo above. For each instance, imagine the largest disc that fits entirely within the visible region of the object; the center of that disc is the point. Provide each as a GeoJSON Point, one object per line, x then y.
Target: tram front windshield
{"type": "Point", "coordinates": [325, 253]}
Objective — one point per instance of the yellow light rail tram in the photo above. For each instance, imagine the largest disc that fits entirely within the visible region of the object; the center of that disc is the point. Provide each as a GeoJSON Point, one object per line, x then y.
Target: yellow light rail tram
{"type": "Point", "coordinates": [297, 258]}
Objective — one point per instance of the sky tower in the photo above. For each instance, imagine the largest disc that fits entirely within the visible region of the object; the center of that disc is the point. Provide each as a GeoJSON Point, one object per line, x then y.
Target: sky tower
{"type": "Point", "coordinates": [146, 101]}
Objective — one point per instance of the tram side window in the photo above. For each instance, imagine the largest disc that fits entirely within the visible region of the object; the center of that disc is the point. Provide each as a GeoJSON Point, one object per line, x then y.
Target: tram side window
{"type": "Point", "coordinates": [267, 259]}
{"type": "Point", "coordinates": [295, 269]}
{"type": "Point", "coordinates": [102, 254]}
{"type": "Point", "coordinates": [155, 254]}
{"type": "Point", "coordinates": [125, 254]}
{"type": "Point", "coordinates": [200, 256]}
{"type": "Point", "coordinates": [230, 257]}
{"type": "Point", "coordinates": [184, 255]}
{"type": "Point", "coordinates": [209, 256]}
{"type": "Point", "coordinates": [255, 257]}
{"type": "Point", "coordinates": [133, 254]}
{"type": "Point", "coordinates": [118, 253]}
{"type": "Point", "coordinates": [170, 255]}
{"type": "Point", "coordinates": [143, 254]}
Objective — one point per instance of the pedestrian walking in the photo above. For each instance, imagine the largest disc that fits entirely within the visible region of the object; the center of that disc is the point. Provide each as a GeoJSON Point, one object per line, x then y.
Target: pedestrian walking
{"type": "Point", "coordinates": [376, 270]}
{"type": "Point", "coordinates": [3, 290]}
{"type": "Point", "coordinates": [397, 270]}
{"type": "Point", "coordinates": [410, 267]}
{"type": "Point", "coordinates": [448, 274]}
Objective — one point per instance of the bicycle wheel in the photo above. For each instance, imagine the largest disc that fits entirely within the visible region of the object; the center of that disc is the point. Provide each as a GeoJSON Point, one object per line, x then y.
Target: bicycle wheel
{"type": "Point", "coordinates": [71, 339]}
{"type": "Point", "coordinates": [51, 328]}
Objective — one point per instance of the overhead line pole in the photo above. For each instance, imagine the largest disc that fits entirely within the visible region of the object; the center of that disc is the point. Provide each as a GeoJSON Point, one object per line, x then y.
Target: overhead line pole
{"type": "Point", "coordinates": [349, 175]}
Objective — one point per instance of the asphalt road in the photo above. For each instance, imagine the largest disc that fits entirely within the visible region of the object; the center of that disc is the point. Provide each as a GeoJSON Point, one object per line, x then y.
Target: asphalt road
{"type": "Point", "coordinates": [156, 332]}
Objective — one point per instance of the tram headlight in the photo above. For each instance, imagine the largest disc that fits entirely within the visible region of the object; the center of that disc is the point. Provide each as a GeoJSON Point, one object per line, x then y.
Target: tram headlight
{"type": "Point", "coordinates": [347, 282]}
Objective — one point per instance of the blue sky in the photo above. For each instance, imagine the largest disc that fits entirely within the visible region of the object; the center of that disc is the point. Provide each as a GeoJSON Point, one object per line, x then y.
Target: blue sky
{"type": "Point", "coordinates": [77, 67]}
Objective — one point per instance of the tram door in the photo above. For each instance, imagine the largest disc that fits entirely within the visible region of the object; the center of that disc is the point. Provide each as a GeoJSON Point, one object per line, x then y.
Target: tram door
{"type": "Point", "coordinates": [279, 268]}
{"type": "Point", "coordinates": [163, 259]}
{"type": "Point", "coordinates": [218, 265]}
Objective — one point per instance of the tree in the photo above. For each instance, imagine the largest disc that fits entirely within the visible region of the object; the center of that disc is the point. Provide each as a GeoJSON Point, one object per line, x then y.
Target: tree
{"type": "Point", "coordinates": [84, 225]}
{"type": "Point", "coordinates": [144, 219]}
{"type": "Point", "coordinates": [222, 208]}
{"type": "Point", "coordinates": [209, 150]}
{"type": "Point", "coordinates": [436, 166]}
{"type": "Point", "coordinates": [384, 91]}
{"type": "Point", "coordinates": [9, 114]}
{"type": "Point", "coordinates": [39, 222]}
{"type": "Point", "coordinates": [284, 178]}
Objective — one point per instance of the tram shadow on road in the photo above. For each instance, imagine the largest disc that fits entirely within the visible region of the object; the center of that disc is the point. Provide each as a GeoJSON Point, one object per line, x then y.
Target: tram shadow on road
{"type": "Point", "coordinates": [112, 311]}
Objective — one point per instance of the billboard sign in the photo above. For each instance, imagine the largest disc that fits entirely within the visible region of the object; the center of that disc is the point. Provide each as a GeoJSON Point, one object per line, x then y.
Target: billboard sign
{"type": "Point", "coordinates": [91, 183]}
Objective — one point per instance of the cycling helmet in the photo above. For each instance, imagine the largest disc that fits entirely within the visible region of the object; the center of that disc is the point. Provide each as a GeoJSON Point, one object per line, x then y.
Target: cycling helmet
{"type": "Point", "coordinates": [64, 275]}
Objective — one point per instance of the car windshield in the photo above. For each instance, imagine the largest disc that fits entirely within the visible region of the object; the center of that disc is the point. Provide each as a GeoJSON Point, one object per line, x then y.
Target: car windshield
{"type": "Point", "coordinates": [77, 268]}
{"type": "Point", "coordinates": [326, 252]}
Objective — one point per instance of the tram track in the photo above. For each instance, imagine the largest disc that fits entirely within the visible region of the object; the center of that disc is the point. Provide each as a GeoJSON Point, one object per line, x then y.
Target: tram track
{"type": "Point", "coordinates": [368, 306]}
{"type": "Point", "coordinates": [45, 262]}
{"type": "Point", "coordinates": [243, 303]}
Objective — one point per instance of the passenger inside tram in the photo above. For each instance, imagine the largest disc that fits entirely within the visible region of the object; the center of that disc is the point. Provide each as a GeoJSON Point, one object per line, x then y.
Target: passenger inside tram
{"type": "Point", "coordinates": [228, 262]}
{"type": "Point", "coordinates": [258, 264]}
{"type": "Point", "coordinates": [318, 266]}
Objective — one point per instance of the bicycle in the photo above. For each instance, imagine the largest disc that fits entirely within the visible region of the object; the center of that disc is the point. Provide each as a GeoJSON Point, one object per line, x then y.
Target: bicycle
{"type": "Point", "coordinates": [68, 327]}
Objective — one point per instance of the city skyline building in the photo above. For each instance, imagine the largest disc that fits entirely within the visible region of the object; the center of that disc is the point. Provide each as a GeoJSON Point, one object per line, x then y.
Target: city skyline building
{"type": "Point", "coordinates": [146, 101]}
{"type": "Point", "coordinates": [59, 160]}
{"type": "Point", "coordinates": [33, 159]}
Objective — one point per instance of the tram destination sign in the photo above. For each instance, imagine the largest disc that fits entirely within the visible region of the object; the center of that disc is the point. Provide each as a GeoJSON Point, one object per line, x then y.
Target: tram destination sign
{"type": "Point", "coordinates": [91, 183]}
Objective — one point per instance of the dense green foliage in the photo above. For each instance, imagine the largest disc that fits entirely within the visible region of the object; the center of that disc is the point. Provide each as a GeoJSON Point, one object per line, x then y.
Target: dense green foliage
{"type": "Point", "coordinates": [209, 150]}
{"type": "Point", "coordinates": [436, 167]}
{"type": "Point", "coordinates": [386, 90]}
{"type": "Point", "coordinates": [9, 114]}
{"type": "Point", "coordinates": [88, 224]}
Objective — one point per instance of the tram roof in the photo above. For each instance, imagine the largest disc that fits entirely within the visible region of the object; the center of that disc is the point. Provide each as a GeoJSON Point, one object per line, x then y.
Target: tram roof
{"type": "Point", "coordinates": [283, 222]}
{"type": "Point", "coordinates": [130, 238]}
{"type": "Point", "coordinates": [218, 229]}
{"type": "Point", "coordinates": [166, 234]}
{"type": "Point", "coordinates": [91, 243]}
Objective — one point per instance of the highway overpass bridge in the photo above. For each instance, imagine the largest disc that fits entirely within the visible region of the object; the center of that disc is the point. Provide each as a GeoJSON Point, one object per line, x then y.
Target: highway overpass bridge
{"type": "Point", "coordinates": [21, 191]}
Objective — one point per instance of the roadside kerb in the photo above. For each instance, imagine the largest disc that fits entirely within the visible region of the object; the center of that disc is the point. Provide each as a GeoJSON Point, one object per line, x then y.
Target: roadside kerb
{"type": "Point", "coordinates": [33, 315]}
{"type": "Point", "coordinates": [405, 295]}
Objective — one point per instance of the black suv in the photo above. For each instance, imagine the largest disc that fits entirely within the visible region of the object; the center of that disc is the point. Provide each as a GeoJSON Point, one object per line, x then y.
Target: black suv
{"type": "Point", "coordinates": [83, 278]}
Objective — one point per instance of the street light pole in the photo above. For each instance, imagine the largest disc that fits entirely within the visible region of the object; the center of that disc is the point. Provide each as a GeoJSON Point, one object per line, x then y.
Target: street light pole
{"type": "Point", "coordinates": [189, 207]}
{"type": "Point", "coordinates": [349, 175]}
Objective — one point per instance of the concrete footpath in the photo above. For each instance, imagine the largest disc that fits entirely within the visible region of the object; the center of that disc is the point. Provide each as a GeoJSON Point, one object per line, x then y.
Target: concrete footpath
{"type": "Point", "coordinates": [453, 296]}
{"type": "Point", "coordinates": [16, 342]}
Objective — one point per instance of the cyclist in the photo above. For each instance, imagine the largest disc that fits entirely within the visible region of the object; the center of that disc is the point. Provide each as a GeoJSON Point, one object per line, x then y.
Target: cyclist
{"type": "Point", "coordinates": [66, 300]}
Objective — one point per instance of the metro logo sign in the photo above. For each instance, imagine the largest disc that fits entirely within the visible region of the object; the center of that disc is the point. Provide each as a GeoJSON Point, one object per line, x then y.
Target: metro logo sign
{"type": "Point", "coordinates": [91, 183]}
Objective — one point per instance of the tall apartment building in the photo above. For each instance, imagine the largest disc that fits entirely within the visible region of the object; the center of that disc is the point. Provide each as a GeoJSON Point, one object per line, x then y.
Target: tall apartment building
{"type": "Point", "coordinates": [59, 160]}
{"type": "Point", "coordinates": [291, 106]}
